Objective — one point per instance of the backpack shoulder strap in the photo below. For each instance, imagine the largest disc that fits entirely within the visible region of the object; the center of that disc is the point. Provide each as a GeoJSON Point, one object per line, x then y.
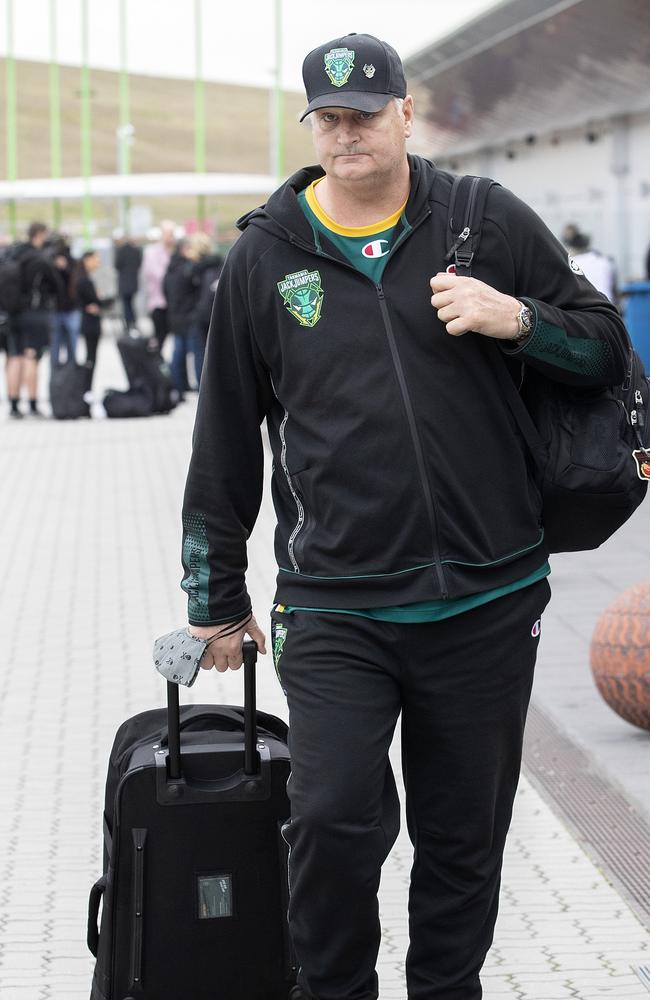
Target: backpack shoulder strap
{"type": "Point", "coordinates": [465, 220]}
{"type": "Point", "coordinates": [464, 226]}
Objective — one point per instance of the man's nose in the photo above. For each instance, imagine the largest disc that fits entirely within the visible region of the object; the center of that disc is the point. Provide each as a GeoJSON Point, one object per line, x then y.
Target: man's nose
{"type": "Point", "coordinates": [347, 133]}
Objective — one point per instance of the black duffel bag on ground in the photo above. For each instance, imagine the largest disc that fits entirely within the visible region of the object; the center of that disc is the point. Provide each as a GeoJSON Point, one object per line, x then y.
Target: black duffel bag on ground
{"type": "Point", "coordinates": [143, 362]}
{"type": "Point", "coordinates": [134, 402]}
{"type": "Point", "coordinates": [69, 385]}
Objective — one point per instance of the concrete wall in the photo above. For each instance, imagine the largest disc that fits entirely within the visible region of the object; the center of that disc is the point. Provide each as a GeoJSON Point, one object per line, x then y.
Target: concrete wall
{"type": "Point", "coordinates": [603, 185]}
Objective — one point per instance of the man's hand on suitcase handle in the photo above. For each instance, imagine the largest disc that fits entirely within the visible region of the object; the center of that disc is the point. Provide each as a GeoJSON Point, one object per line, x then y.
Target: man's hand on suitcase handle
{"type": "Point", "coordinates": [226, 653]}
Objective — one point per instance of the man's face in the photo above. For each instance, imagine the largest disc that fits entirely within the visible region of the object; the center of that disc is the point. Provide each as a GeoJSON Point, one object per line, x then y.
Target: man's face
{"type": "Point", "coordinates": [358, 145]}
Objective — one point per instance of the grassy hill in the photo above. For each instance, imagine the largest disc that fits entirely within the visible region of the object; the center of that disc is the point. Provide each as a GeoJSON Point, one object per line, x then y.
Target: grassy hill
{"type": "Point", "coordinates": [162, 112]}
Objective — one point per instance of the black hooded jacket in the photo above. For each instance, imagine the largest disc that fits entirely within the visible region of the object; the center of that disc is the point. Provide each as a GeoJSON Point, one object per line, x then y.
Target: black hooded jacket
{"type": "Point", "coordinates": [181, 292]}
{"type": "Point", "coordinates": [399, 474]}
{"type": "Point", "coordinates": [40, 281]}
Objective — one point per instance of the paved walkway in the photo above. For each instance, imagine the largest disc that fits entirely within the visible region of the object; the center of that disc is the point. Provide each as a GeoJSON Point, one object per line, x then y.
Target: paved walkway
{"type": "Point", "coordinates": [89, 542]}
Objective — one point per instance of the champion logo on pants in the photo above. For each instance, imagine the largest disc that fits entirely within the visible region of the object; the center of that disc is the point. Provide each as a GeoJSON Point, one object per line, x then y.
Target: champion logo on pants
{"type": "Point", "coordinates": [537, 628]}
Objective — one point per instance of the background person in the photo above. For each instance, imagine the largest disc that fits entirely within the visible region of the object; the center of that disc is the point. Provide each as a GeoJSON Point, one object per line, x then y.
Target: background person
{"type": "Point", "coordinates": [411, 556]}
{"type": "Point", "coordinates": [127, 261]}
{"type": "Point", "coordinates": [90, 303]}
{"type": "Point", "coordinates": [181, 292]}
{"type": "Point", "coordinates": [599, 269]}
{"type": "Point", "coordinates": [66, 319]}
{"type": "Point", "coordinates": [29, 331]}
{"type": "Point", "coordinates": [154, 267]}
{"type": "Point", "coordinates": [208, 266]}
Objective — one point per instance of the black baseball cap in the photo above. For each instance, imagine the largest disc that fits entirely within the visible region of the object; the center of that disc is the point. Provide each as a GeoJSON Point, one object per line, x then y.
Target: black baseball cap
{"type": "Point", "coordinates": [356, 71]}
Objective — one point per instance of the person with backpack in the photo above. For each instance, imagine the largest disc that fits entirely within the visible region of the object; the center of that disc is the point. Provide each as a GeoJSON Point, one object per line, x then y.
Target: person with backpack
{"type": "Point", "coordinates": [29, 332]}
{"type": "Point", "coordinates": [410, 541]}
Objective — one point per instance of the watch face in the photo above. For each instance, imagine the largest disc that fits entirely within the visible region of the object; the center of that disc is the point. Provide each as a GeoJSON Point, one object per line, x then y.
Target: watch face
{"type": "Point", "coordinates": [526, 318]}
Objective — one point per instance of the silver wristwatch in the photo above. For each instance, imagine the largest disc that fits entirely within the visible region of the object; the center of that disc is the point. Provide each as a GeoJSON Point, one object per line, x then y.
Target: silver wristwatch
{"type": "Point", "coordinates": [524, 323]}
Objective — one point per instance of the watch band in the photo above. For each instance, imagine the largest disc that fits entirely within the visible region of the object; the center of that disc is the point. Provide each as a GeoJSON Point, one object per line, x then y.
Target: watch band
{"type": "Point", "coordinates": [524, 322]}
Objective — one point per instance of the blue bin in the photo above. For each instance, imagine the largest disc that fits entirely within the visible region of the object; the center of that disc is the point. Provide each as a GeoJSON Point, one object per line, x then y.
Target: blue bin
{"type": "Point", "coordinates": [636, 311]}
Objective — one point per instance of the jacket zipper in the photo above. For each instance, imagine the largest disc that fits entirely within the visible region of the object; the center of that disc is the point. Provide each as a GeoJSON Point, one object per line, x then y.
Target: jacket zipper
{"type": "Point", "coordinates": [417, 444]}
{"type": "Point", "coordinates": [426, 488]}
{"type": "Point", "coordinates": [296, 498]}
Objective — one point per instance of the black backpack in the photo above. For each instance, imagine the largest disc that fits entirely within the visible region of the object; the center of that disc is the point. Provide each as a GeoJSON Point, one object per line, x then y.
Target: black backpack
{"type": "Point", "coordinates": [591, 447]}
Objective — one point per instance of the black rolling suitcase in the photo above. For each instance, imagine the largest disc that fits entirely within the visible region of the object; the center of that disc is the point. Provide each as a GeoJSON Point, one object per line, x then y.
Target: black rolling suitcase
{"type": "Point", "coordinates": [194, 892]}
{"type": "Point", "coordinates": [69, 384]}
{"type": "Point", "coordinates": [143, 363]}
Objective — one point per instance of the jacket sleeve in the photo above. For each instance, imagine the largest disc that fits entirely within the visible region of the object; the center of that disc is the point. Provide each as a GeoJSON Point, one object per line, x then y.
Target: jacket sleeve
{"type": "Point", "coordinates": [224, 484]}
{"type": "Point", "coordinates": [578, 336]}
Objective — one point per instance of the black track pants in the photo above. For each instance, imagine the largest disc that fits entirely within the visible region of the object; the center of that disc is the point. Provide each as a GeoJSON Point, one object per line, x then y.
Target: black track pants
{"type": "Point", "coordinates": [463, 686]}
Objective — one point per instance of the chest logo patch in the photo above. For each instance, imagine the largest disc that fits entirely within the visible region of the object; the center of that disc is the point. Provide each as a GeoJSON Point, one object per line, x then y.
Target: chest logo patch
{"type": "Point", "coordinates": [302, 295]}
{"type": "Point", "coordinates": [376, 248]}
{"type": "Point", "coordinates": [339, 64]}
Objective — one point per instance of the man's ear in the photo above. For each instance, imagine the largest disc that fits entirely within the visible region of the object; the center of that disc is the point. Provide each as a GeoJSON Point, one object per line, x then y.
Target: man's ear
{"type": "Point", "coordinates": [408, 110]}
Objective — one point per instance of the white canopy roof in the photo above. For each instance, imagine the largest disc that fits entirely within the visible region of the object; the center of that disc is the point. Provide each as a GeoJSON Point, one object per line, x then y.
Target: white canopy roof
{"type": "Point", "coordinates": [137, 185]}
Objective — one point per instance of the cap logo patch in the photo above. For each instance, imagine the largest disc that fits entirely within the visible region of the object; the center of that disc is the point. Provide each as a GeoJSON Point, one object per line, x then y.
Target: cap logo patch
{"type": "Point", "coordinates": [339, 64]}
{"type": "Point", "coordinates": [369, 70]}
{"type": "Point", "coordinates": [302, 294]}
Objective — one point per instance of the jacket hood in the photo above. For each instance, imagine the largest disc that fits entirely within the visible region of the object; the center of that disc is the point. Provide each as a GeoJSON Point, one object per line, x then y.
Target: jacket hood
{"type": "Point", "coordinates": [283, 216]}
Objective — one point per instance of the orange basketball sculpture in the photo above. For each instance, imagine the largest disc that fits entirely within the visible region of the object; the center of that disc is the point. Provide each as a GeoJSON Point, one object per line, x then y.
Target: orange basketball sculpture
{"type": "Point", "coordinates": [620, 655]}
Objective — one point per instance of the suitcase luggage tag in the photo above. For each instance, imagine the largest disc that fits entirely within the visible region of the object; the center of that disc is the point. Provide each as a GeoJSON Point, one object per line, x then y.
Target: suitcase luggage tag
{"type": "Point", "coordinates": [177, 656]}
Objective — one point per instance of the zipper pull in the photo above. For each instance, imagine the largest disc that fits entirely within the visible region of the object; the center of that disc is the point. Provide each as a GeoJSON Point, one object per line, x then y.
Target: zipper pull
{"type": "Point", "coordinates": [458, 242]}
{"type": "Point", "coordinates": [638, 398]}
{"type": "Point", "coordinates": [633, 418]}
{"type": "Point", "coordinates": [380, 290]}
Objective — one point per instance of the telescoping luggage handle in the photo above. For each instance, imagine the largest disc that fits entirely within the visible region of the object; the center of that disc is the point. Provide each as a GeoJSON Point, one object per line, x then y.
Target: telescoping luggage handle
{"type": "Point", "coordinates": [251, 756]}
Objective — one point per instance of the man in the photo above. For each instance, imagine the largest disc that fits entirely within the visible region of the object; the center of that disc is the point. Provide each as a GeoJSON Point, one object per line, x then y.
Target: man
{"type": "Point", "coordinates": [127, 260]}
{"type": "Point", "coordinates": [154, 267]}
{"type": "Point", "coordinates": [412, 563]}
{"type": "Point", "coordinates": [66, 321]}
{"type": "Point", "coordinates": [596, 267]}
{"type": "Point", "coordinates": [29, 333]}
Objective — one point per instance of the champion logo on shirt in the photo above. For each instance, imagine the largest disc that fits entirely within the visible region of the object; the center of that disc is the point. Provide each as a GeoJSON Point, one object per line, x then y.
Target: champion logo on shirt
{"type": "Point", "coordinates": [537, 628]}
{"type": "Point", "coordinates": [376, 248]}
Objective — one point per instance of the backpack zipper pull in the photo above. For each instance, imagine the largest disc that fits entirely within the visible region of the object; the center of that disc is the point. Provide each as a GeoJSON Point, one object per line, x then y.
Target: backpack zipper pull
{"type": "Point", "coordinates": [459, 242]}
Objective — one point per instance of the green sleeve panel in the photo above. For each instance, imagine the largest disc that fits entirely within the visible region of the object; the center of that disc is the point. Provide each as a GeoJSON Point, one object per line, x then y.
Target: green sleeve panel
{"type": "Point", "coordinates": [550, 344]}
{"type": "Point", "coordinates": [196, 581]}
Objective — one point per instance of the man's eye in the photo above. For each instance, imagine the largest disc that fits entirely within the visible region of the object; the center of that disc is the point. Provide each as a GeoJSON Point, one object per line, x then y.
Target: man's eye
{"type": "Point", "coordinates": [367, 116]}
